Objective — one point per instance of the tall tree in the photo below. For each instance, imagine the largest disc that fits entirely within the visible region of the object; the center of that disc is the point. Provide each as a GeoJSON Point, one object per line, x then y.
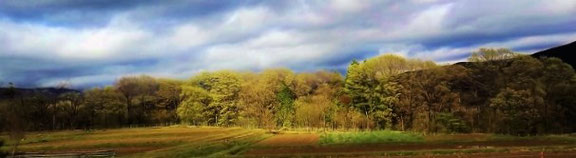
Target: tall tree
{"type": "Point", "coordinates": [193, 108]}
{"type": "Point", "coordinates": [518, 110]}
{"type": "Point", "coordinates": [257, 102]}
{"type": "Point", "coordinates": [139, 89]}
{"type": "Point", "coordinates": [223, 87]}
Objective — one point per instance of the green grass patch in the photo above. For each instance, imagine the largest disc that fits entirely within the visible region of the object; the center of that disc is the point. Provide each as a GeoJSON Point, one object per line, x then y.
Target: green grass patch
{"type": "Point", "coordinates": [562, 138]}
{"type": "Point", "coordinates": [370, 137]}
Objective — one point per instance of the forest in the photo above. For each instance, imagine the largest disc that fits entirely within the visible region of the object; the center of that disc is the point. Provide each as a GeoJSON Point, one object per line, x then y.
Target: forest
{"type": "Point", "coordinates": [496, 91]}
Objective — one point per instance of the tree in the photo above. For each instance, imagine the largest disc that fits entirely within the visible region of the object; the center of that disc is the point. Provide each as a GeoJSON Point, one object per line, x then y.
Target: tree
{"type": "Point", "coordinates": [425, 93]}
{"type": "Point", "coordinates": [169, 93]}
{"type": "Point", "coordinates": [285, 111]}
{"type": "Point", "coordinates": [257, 100]}
{"type": "Point", "coordinates": [128, 87]}
{"type": "Point", "coordinates": [518, 111]}
{"type": "Point", "coordinates": [2, 153]}
{"type": "Point", "coordinates": [15, 117]}
{"type": "Point", "coordinates": [167, 100]}
{"type": "Point", "coordinates": [372, 89]}
{"type": "Point", "coordinates": [356, 85]}
{"type": "Point", "coordinates": [71, 106]}
{"type": "Point", "coordinates": [306, 83]}
{"type": "Point", "coordinates": [193, 108]}
{"type": "Point", "coordinates": [558, 82]}
{"type": "Point", "coordinates": [223, 87]}
{"type": "Point", "coordinates": [487, 66]}
{"type": "Point", "coordinates": [314, 110]}
{"type": "Point", "coordinates": [281, 81]}
{"type": "Point", "coordinates": [105, 107]}
{"type": "Point", "coordinates": [139, 89]}
{"type": "Point", "coordinates": [490, 55]}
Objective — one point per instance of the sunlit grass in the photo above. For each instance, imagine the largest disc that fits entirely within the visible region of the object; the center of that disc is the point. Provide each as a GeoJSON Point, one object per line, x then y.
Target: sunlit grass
{"type": "Point", "coordinates": [188, 141]}
{"type": "Point", "coordinates": [370, 137]}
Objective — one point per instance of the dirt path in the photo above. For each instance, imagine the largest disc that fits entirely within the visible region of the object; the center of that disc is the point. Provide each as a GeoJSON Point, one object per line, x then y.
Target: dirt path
{"type": "Point", "coordinates": [500, 155]}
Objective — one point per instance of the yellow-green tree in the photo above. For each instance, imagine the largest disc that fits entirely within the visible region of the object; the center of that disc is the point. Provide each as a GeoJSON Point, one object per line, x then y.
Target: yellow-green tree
{"type": "Point", "coordinates": [194, 105]}
{"type": "Point", "coordinates": [257, 100]}
{"type": "Point", "coordinates": [224, 88]}
{"type": "Point", "coordinates": [370, 86]}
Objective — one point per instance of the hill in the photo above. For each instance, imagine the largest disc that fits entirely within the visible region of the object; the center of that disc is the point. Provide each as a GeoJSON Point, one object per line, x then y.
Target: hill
{"type": "Point", "coordinates": [563, 52]}
{"type": "Point", "coordinates": [50, 92]}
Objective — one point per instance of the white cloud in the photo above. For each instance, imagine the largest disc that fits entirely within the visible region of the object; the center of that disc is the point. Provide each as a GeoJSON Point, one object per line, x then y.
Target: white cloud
{"type": "Point", "coordinates": [447, 54]}
{"type": "Point", "coordinates": [272, 49]}
{"type": "Point", "coordinates": [30, 40]}
{"type": "Point", "coordinates": [560, 6]}
{"type": "Point", "coordinates": [305, 33]}
{"type": "Point", "coordinates": [348, 5]}
{"type": "Point", "coordinates": [429, 22]}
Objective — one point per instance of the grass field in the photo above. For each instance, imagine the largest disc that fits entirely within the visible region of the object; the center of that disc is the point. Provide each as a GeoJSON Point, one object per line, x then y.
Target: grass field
{"type": "Point", "coordinates": [181, 141]}
{"type": "Point", "coordinates": [375, 137]}
{"type": "Point", "coordinates": [146, 142]}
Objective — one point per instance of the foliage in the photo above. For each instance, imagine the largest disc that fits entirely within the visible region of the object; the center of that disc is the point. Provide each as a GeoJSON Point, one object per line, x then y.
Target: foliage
{"type": "Point", "coordinates": [498, 91]}
{"type": "Point", "coordinates": [518, 109]}
{"type": "Point", "coordinates": [193, 109]}
{"type": "Point", "coordinates": [2, 153]}
{"type": "Point", "coordinates": [448, 123]}
{"type": "Point", "coordinates": [488, 54]}
{"type": "Point", "coordinates": [285, 111]}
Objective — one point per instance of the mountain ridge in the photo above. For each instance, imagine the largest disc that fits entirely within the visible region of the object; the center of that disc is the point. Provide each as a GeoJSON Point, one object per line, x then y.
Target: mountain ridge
{"type": "Point", "coordinates": [561, 52]}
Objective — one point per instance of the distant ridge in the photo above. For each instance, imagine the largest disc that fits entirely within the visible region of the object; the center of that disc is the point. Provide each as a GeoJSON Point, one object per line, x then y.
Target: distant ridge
{"type": "Point", "coordinates": [563, 52]}
{"type": "Point", "coordinates": [51, 92]}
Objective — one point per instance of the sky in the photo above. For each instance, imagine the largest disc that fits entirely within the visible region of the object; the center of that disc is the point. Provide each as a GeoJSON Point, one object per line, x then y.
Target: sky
{"type": "Point", "coordinates": [88, 43]}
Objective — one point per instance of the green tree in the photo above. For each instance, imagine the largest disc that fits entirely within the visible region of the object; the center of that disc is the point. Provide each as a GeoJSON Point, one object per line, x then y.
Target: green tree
{"type": "Point", "coordinates": [487, 66]}
{"type": "Point", "coordinates": [372, 88]}
{"type": "Point", "coordinates": [285, 111]}
{"type": "Point", "coordinates": [223, 87]}
{"type": "Point", "coordinates": [559, 84]}
{"type": "Point", "coordinates": [518, 110]}
{"type": "Point", "coordinates": [193, 108]}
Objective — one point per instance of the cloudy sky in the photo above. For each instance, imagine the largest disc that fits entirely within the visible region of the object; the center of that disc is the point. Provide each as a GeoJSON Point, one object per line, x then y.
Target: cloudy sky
{"type": "Point", "coordinates": [94, 42]}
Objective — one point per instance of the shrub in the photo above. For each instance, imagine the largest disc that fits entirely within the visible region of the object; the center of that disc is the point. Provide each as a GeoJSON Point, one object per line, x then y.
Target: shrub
{"type": "Point", "coordinates": [2, 153]}
{"type": "Point", "coordinates": [448, 123]}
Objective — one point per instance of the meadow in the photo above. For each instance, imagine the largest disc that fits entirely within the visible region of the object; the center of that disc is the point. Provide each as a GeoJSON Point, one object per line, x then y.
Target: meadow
{"type": "Point", "coordinates": [184, 141]}
{"type": "Point", "coordinates": [144, 142]}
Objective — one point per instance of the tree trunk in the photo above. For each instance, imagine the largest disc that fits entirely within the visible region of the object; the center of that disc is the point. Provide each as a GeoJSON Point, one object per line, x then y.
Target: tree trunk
{"type": "Point", "coordinates": [15, 147]}
{"type": "Point", "coordinates": [402, 122]}
{"type": "Point", "coordinates": [367, 119]}
{"type": "Point", "coordinates": [128, 107]}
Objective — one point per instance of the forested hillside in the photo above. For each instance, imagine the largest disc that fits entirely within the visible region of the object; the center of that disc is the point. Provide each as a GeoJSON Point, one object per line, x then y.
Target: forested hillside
{"type": "Point", "coordinates": [498, 91]}
{"type": "Point", "coordinates": [564, 52]}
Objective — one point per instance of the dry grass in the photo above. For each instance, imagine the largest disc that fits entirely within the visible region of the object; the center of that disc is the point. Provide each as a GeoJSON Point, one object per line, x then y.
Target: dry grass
{"type": "Point", "coordinates": [181, 141]}
{"type": "Point", "coordinates": [308, 139]}
{"type": "Point", "coordinates": [134, 140]}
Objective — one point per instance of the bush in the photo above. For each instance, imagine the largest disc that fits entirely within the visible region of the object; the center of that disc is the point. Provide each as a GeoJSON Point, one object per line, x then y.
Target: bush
{"type": "Point", "coordinates": [448, 123]}
{"type": "Point", "coordinates": [2, 153]}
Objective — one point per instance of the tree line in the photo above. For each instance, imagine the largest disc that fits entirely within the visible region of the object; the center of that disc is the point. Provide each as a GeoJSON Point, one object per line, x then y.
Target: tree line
{"type": "Point", "coordinates": [497, 91]}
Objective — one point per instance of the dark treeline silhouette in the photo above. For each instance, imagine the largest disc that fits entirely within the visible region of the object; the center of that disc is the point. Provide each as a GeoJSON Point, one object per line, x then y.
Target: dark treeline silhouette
{"type": "Point", "coordinates": [498, 91]}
